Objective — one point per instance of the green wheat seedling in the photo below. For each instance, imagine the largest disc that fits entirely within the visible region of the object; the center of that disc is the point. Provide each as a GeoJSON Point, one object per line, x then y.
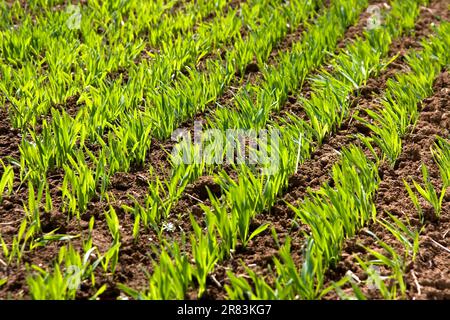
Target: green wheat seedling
{"type": "Point", "coordinates": [32, 210]}
{"type": "Point", "coordinates": [404, 233]}
{"type": "Point", "coordinates": [385, 135]}
{"type": "Point", "coordinates": [307, 282]}
{"type": "Point", "coordinates": [81, 183]}
{"type": "Point", "coordinates": [58, 61]}
{"type": "Point", "coordinates": [14, 251]}
{"type": "Point", "coordinates": [428, 192]}
{"type": "Point", "coordinates": [241, 289]}
{"type": "Point", "coordinates": [441, 155]}
{"type": "Point", "coordinates": [217, 216]}
{"type": "Point", "coordinates": [6, 180]}
{"type": "Point", "coordinates": [87, 242]}
{"type": "Point", "coordinates": [375, 279]}
{"type": "Point", "coordinates": [415, 200]}
{"type": "Point", "coordinates": [51, 236]}
{"type": "Point", "coordinates": [149, 216]}
{"type": "Point", "coordinates": [62, 283]}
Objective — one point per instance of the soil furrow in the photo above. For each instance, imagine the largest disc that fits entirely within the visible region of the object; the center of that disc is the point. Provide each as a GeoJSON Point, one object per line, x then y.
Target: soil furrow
{"type": "Point", "coordinates": [11, 207]}
{"type": "Point", "coordinates": [9, 137]}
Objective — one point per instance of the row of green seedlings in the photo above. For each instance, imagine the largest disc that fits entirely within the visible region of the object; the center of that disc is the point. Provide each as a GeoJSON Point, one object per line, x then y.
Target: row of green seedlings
{"type": "Point", "coordinates": [330, 213]}
{"type": "Point", "coordinates": [42, 71]}
{"type": "Point", "coordinates": [56, 146]}
{"type": "Point", "coordinates": [6, 180]}
{"type": "Point", "coordinates": [251, 194]}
